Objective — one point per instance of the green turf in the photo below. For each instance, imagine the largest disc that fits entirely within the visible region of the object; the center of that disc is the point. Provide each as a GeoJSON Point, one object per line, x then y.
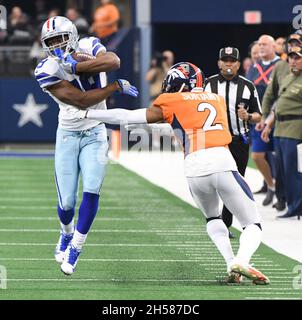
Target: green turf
{"type": "Point", "coordinates": [144, 244]}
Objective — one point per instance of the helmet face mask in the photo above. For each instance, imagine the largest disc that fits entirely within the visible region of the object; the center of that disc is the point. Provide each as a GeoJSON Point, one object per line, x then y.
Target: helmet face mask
{"type": "Point", "coordinates": [57, 44]}
{"type": "Point", "coordinates": [183, 76]}
{"type": "Point", "coordinates": [59, 37]}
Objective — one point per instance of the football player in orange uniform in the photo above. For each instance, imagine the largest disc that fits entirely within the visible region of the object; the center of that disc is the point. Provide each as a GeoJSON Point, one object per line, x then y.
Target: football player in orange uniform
{"type": "Point", "coordinates": [199, 120]}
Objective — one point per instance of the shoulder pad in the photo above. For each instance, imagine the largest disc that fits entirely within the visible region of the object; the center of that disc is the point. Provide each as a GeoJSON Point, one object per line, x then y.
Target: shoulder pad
{"type": "Point", "coordinates": [91, 45]}
{"type": "Point", "coordinates": [48, 72]}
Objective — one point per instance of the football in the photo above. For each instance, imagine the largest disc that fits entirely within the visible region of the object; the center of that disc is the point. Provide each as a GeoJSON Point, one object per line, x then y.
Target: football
{"type": "Point", "coordinates": [82, 56]}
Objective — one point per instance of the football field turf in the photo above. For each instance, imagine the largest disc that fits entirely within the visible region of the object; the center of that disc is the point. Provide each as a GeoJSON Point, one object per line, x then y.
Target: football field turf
{"type": "Point", "coordinates": [144, 244]}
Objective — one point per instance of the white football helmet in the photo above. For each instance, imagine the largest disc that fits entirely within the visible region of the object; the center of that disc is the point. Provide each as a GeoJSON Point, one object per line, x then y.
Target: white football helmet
{"type": "Point", "coordinates": [59, 26]}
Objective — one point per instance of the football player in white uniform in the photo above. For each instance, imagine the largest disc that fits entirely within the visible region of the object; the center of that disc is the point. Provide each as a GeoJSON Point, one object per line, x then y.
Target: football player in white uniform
{"type": "Point", "coordinates": [81, 145]}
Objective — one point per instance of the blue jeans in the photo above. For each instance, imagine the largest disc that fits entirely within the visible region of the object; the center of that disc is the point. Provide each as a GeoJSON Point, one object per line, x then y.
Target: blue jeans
{"type": "Point", "coordinates": [286, 155]}
{"type": "Point", "coordinates": [80, 151]}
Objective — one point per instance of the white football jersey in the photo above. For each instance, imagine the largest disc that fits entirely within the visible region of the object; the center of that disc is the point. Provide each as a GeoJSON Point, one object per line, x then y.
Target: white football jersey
{"type": "Point", "coordinates": [49, 72]}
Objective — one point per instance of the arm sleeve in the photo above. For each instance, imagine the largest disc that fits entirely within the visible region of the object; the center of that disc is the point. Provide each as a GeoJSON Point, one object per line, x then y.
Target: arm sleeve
{"type": "Point", "coordinates": [117, 116]}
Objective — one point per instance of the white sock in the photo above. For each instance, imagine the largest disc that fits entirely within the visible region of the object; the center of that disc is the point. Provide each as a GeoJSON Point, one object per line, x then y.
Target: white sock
{"type": "Point", "coordinates": [78, 240]}
{"type": "Point", "coordinates": [68, 228]}
{"type": "Point", "coordinates": [219, 234]}
{"type": "Point", "coordinates": [250, 240]}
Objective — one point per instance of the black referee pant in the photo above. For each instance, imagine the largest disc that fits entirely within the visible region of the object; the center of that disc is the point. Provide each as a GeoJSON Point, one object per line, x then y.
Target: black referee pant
{"type": "Point", "coordinates": [240, 152]}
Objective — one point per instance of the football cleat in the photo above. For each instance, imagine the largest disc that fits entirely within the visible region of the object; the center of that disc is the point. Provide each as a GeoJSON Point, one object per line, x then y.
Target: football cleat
{"type": "Point", "coordinates": [251, 273]}
{"type": "Point", "coordinates": [70, 260]}
{"type": "Point", "coordinates": [62, 245]}
{"type": "Point", "coordinates": [233, 277]}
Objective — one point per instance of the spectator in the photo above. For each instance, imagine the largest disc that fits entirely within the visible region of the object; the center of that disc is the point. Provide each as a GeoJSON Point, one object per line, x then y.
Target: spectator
{"type": "Point", "coordinates": [259, 74]}
{"type": "Point", "coordinates": [280, 48]}
{"type": "Point", "coordinates": [18, 27]}
{"type": "Point", "coordinates": [36, 54]}
{"type": "Point", "coordinates": [160, 64]}
{"type": "Point", "coordinates": [81, 23]}
{"type": "Point", "coordinates": [41, 12]}
{"type": "Point", "coordinates": [105, 21]}
{"type": "Point", "coordinates": [281, 71]}
{"type": "Point", "coordinates": [255, 52]}
{"type": "Point", "coordinates": [54, 12]}
{"type": "Point", "coordinates": [246, 64]}
{"type": "Point", "coordinates": [288, 133]}
{"type": "Point", "coordinates": [270, 97]}
{"type": "Point", "coordinates": [243, 106]}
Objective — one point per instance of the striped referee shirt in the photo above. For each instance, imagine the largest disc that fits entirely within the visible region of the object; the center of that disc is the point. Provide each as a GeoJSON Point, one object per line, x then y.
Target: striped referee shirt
{"type": "Point", "coordinates": [236, 91]}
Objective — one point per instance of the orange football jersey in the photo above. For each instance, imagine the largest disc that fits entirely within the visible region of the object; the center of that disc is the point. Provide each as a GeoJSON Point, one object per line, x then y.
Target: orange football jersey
{"type": "Point", "coordinates": [198, 118]}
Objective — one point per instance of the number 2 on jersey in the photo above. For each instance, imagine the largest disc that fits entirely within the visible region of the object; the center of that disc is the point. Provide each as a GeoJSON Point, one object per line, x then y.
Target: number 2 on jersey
{"type": "Point", "coordinates": [208, 125]}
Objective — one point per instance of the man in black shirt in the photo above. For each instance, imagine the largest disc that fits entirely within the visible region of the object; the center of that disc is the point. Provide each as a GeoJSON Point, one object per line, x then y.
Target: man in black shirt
{"type": "Point", "coordinates": [242, 104]}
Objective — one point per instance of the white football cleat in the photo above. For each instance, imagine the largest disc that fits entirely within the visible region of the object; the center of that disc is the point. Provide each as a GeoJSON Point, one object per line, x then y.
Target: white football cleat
{"type": "Point", "coordinates": [251, 273]}
{"type": "Point", "coordinates": [70, 260]}
{"type": "Point", "coordinates": [62, 245]}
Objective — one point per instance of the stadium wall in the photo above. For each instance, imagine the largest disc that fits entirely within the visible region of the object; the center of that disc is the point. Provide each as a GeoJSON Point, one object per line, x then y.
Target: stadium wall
{"type": "Point", "coordinates": [221, 11]}
{"type": "Point", "coordinates": [26, 113]}
{"type": "Point", "coordinates": [199, 43]}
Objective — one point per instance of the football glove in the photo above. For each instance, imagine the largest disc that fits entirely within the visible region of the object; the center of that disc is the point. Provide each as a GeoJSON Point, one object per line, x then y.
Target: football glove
{"type": "Point", "coordinates": [68, 63]}
{"type": "Point", "coordinates": [127, 88]}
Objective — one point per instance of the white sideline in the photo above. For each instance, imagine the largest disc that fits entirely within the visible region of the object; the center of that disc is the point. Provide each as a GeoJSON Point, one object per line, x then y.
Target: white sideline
{"type": "Point", "coordinates": [165, 169]}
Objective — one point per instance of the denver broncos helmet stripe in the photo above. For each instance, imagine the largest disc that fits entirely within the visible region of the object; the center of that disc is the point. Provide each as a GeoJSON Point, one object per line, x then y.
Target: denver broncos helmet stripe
{"type": "Point", "coordinates": [199, 75]}
{"type": "Point", "coordinates": [183, 76]}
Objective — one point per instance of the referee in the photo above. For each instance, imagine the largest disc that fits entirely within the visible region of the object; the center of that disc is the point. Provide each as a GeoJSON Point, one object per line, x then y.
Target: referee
{"type": "Point", "coordinates": [243, 107]}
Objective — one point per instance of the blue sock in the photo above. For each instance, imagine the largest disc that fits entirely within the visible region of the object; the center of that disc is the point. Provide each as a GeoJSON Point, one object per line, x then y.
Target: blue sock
{"type": "Point", "coordinates": [87, 211]}
{"type": "Point", "coordinates": [65, 216]}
